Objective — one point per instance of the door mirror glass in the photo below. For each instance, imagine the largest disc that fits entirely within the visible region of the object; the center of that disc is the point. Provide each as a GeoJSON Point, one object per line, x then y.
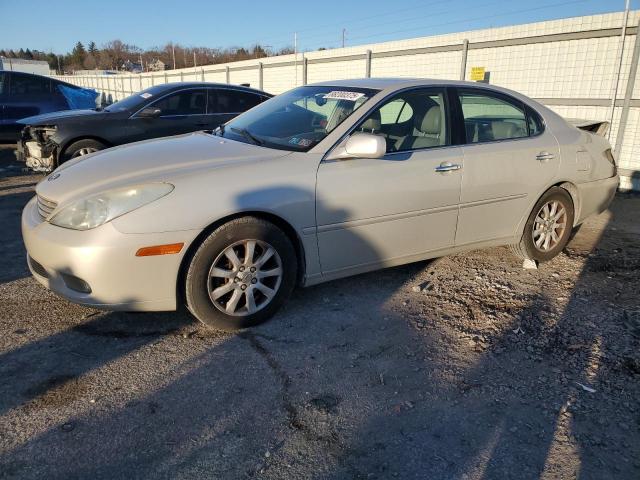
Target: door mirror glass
{"type": "Point", "coordinates": [361, 145]}
{"type": "Point", "coordinates": [149, 112]}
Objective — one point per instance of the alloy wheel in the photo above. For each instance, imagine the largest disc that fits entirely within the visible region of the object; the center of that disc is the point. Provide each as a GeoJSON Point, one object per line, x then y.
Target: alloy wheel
{"type": "Point", "coordinates": [84, 151]}
{"type": "Point", "coordinates": [245, 277]}
{"type": "Point", "coordinates": [549, 226]}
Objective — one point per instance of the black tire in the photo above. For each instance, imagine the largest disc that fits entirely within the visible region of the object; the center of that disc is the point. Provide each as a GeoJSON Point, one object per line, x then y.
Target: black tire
{"type": "Point", "coordinates": [74, 150]}
{"type": "Point", "coordinates": [197, 281]}
{"type": "Point", "coordinates": [527, 248]}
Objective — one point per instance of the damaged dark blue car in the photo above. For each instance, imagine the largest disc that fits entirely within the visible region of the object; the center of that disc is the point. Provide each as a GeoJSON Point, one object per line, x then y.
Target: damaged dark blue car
{"type": "Point", "coordinates": [25, 95]}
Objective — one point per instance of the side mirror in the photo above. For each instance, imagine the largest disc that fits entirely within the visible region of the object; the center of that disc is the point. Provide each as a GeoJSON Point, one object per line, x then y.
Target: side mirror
{"type": "Point", "coordinates": [361, 145]}
{"type": "Point", "coordinates": [149, 112]}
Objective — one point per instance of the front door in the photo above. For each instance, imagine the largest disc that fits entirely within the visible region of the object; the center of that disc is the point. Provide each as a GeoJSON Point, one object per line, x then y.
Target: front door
{"type": "Point", "coordinates": [509, 160]}
{"type": "Point", "coordinates": [180, 112]}
{"type": "Point", "coordinates": [391, 210]}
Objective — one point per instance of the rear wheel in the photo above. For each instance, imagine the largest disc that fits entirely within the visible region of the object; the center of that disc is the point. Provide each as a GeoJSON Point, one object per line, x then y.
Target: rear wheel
{"type": "Point", "coordinates": [81, 148]}
{"type": "Point", "coordinates": [241, 274]}
{"type": "Point", "coordinates": [548, 228]}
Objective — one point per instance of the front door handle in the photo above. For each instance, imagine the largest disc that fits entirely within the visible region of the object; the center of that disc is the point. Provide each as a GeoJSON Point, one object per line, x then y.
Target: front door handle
{"type": "Point", "coordinates": [448, 167]}
{"type": "Point", "coordinates": [545, 156]}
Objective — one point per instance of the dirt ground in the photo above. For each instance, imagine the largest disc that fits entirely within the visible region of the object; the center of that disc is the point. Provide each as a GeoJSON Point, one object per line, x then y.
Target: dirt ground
{"type": "Point", "coordinates": [465, 368]}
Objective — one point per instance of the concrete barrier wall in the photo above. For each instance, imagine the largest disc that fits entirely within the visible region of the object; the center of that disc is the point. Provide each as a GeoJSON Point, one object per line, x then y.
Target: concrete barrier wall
{"type": "Point", "coordinates": [571, 65]}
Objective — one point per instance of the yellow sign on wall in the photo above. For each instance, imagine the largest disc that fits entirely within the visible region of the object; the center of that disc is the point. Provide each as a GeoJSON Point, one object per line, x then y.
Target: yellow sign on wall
{"type": "Point", "coordinates": [477, 73]}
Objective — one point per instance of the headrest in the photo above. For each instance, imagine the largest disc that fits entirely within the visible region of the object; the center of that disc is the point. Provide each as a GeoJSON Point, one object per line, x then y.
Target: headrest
{"type": "Point", "coordinates": [373, 123]}
{"type": "Point", "coordinates": [502, 130]}
{"type": "Point", "coordinates": [431, 121]}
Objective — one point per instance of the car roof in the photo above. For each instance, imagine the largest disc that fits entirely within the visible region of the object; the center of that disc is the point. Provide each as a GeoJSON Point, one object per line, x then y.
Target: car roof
{"type": "Point", "coordinates": [390, 83]}
{"type": "Point", "coordinates": [177, 85]}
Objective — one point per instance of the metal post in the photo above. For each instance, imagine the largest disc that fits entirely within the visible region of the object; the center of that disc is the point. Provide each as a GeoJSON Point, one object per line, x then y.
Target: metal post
{"type": "Point", "coordinates": [305, 63]}
{"type": "Point", "coordinates": [131, 84]}
{"type": "Point", "coordinates": [140, 81]}
{"type": "Point", "coordinates": [202, 74]}
{"type": "Point", "coordinates": [463, 63]}
{"type": "Point", "coordinates": [367, 72]}
{"type": "Point", "coordinates": [165, 78]}
{"type": "Point", "coordinates": [633, 70]}
{"type": "Point", "coordinates": [227, 74]}
{"type": "Point", "coordinates": [181, 76]}
{"type": "Point", "coordinates": [616, 80]}
{"type": "Point", "coordinates": [295, 56]}
{"type": "Point", "coordinates": [260, 76]}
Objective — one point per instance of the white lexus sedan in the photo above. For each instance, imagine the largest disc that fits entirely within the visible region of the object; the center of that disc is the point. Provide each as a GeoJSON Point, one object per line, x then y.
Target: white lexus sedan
{"type": "Point", "coordinates": [321, 182]}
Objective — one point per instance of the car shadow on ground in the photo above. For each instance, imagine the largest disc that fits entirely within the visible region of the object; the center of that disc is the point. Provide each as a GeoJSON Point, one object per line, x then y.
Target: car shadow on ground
{"type": "Point", "coordinates": [530, 405]}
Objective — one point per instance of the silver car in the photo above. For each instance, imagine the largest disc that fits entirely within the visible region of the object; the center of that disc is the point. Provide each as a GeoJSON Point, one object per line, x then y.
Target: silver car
{"type": "Point", "coordinates": [321, 182]}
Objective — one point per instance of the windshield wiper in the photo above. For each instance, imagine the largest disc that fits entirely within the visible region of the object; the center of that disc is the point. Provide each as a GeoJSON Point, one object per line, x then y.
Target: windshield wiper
{"type": "Point", "coordinates": [246, 134]}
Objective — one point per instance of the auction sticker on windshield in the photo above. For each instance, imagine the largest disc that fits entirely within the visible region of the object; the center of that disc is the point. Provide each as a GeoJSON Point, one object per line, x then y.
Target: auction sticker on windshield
{"type": "Point", "coordinates": [340, 95]}
{"type": "Point", "coordinates": [146, 95]}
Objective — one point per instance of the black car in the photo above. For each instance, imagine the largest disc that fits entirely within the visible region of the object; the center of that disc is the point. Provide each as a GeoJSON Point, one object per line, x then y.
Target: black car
{"type": "Point", "coordinates": [163, 110]}
{"type": "Point", "coordinates": [25, 94]}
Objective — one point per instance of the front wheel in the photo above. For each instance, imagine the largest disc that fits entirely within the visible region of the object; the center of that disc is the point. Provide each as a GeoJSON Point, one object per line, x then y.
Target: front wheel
{"type": "Point", "coordinates": [241, 274]}
{"type": "Point", "coordinates": [548, 228]}
{"type": "Point", "coordinates": [81, 148]}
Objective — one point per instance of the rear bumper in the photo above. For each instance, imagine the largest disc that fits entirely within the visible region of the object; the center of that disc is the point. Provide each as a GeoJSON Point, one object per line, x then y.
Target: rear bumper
{"type": "Point", "coordinates": [98, 268]}
{"type": "Point", "coordinates": [595, 197]}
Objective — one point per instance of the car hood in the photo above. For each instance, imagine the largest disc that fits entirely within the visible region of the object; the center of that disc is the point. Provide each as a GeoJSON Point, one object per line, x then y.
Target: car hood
{"type": "Point", "coordinates": [53, 117]}
{"type": "Point", "coordinates": [158, 160]}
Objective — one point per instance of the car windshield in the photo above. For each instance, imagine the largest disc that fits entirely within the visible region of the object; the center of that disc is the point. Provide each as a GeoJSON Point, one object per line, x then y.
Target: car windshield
{"type": "Point", "coordinates": [135, 101]}
{"type": "Point", "coordinates": [298, 119]}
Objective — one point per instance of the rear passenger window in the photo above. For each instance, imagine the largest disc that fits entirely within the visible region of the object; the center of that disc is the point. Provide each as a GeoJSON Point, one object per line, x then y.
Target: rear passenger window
{"type": "Point", "coordinates": [535, 123]}
{"type": "Point", "coordinates": [232, 101]}
{"type": "Point", "coordinates": [29, 84]}
{"type": "Point", "coordinates": [488, 118]}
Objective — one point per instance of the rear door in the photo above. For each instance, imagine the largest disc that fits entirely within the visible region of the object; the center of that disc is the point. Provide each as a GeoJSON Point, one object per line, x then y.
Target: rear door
{"type": "Point", "coordinates": [509, 160]}
{"type": "Point", "coordinates": [183, 111]}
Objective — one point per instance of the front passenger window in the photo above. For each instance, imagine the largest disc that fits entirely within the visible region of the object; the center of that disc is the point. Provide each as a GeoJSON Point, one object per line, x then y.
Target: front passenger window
{"type": "Point", "coordinates": [489, 117]}
{"type": "Point", "coordinates": [412, 120]}
{"type": "Point", "coordinates": [187, 102]}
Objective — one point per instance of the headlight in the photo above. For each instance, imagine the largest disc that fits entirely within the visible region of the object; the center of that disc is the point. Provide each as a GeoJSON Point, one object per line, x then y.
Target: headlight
{"type": "Point", "coordinates": [99, 209]}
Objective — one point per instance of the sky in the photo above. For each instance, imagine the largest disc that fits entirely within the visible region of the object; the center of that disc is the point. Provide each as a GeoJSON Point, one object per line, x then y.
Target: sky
{"type": "Point", "coordinates": [57, 26]}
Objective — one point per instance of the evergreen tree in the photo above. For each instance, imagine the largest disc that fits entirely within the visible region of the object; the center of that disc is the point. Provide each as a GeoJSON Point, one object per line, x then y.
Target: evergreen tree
{"type": "Point", "coordinates": [92, 49]}
{"type": "Point", "coordinates": [76, 59]}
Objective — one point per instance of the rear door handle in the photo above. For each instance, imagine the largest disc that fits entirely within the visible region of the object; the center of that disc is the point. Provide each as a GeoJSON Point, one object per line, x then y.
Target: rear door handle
{"type": "Point", "coordinates": [448, 167]}
{"type": "Point", "coordinates": [544, 156]}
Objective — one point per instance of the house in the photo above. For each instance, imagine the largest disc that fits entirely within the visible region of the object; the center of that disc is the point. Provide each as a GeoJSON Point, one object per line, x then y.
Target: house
{"type": "Point", "coordinates": [132, 67]}
{"type": "Point", "coordinates": [156, 65]}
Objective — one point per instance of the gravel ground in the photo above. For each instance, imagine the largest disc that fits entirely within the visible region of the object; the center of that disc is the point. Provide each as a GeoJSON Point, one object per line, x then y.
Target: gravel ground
{"type": "Point", "coordinates": [468, 367]}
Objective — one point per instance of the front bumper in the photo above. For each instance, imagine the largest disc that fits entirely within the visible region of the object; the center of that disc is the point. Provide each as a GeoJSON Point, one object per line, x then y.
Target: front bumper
{"type": "Point", "coordinates": [39, 155]}
{"type": "Point", "coordinates": [103, 259]}
{"type": "Point", "coordinates": [39, 158]}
